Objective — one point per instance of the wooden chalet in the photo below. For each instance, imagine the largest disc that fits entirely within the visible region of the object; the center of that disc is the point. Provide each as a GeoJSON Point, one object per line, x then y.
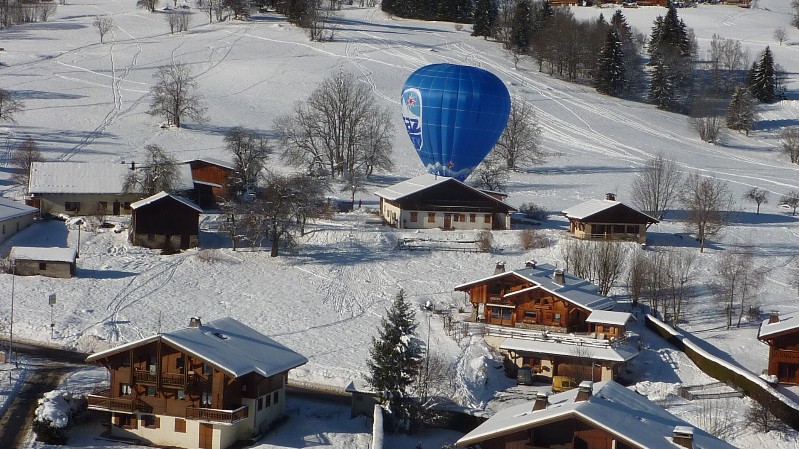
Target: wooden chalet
{"type": "Point", "coordinates": [608, 219]}
{"type": "Point", "coordinates": [594, 416]}
{"type": "Point", "coordinates": [50, 262]}
{"type": "Point", "coordinates": [781, 333]}
{"type": "Point", "coordinates": [210, 178]}
{"type": "Point", "coordinates": [432, 201]}
{"type": "Point", "coordinates": [205, 386]}
{"type": "Point", "coordinates": [165, 221]}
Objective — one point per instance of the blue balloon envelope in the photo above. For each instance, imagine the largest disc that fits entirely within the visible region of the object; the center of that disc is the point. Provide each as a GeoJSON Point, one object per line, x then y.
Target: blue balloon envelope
{"type": "Point", "coordinates": [454, 115]}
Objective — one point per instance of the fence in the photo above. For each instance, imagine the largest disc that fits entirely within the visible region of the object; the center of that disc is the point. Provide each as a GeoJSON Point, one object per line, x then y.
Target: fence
{"type": "Point", "coordinates": [752, 385]}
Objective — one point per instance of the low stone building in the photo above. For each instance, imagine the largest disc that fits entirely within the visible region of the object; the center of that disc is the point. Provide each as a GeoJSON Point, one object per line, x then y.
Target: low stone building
{"type": "Point", "coordinates": [14, 217]}
{"type": "Point", "coordinates": [51, 262]}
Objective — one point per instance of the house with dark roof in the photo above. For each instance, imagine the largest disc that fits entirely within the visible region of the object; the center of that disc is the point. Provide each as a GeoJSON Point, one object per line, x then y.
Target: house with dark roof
{"type": "Point", "coordinates": [165, 221]}
{"type": "Point", "coordinates": [594, 416]}
{"type": "Point", "coordinates": [14, 217]}
{"type": "Point", "coordinates": [608, 219]}
{"type": "Point", "coordinates": [204, 386]}
{"type": "Point", "coordinates": [210, 176]}
{"type": "Point", "coordinates": [432, 201]}
{"type": "Point", "coordinates": [781, 334]}
{"type": "Point", "coordinates": [50, 262]}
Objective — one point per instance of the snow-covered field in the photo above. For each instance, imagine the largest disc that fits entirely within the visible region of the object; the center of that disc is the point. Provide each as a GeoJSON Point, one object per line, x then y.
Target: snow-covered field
{"type": "Point", "coordinates": [87, 101]}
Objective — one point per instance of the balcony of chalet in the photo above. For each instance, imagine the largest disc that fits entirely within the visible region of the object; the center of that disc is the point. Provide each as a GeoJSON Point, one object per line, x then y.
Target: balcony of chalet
{"type": "Point", "coordinates": [217, 415]}
{"type": "Point", "coordinates": [553, 335]}
{"type": "Point", "coordinates": [169, 380]}
{"type": "Point", "coordinates": [102, 400]}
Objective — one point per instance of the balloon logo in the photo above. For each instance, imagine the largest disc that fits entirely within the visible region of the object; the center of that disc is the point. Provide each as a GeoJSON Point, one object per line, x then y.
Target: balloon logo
{"type": "Point", "coordinates": [454, 115]}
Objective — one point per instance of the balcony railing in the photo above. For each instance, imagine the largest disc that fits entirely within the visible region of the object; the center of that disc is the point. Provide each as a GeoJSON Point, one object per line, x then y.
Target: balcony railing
{"type": "Point", "coordinates": [102, 400]}
{"type": "Point", "coordinates": [217, 415]}
{"type": "Point", "coordinates": [173, 380]}
{"type": "Point", "coordinates": [145, 376]}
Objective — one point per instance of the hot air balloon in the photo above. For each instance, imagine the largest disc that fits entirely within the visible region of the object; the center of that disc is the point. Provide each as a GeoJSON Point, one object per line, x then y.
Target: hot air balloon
{"type": "Point", "coordinates": [454, 115]}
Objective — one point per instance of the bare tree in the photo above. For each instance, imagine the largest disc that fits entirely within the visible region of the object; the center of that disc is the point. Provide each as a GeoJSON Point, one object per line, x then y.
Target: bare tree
{"type": "Point", "coordinates": [46, 10]}
{"type": "Point", "coordinates": [354, 183]}
{"type": "Point", "coordinates": [9, 106]}
{"type": "Point", "coordinates": [518, 143]}
{"type": "Point", "coordinates": [789, 144]}
{"type": "Point", "coordinates": [599, 262]}
{"type": "Point", "coordinates": [636, 275]}
{"type": "Point", "coordinates": [738, 282]}
{"type": "Point", "coordinates": [149, 5]}
{"type": "Point", "coordinates": [680, 274]}
{"type": "Point", "coordinates": [250, 153]}
{"type": "Point", "coordinates": [708, 119]}
{"type": "Point", "coordinates": [760, 416]}
{"type": "Point", "coordinates": [212, 7]}
{"type": "Point", "coordinates": [707, 201]}
{"type": "Point", "coordinates": [727, 58]}
{"type": "Point", "coordinates": [656, 186]}
{"type": "Point", "coordinates": [791, 199]}
{"type": "Point", "coordinates": [337, 129]}
{"type": "Point", "coordinates": [793, 277]}
{"type": "Point", "coordinates": [175, 94]}
{"type": "Point", "coordinates": [758, 196]}
{"type": "Point", "coordinates": [159, 172]}
{"type": "Point", "coordinates": [780, 35]}
{"type": "Point", "coordinates": [178, 21]}
{"type": "Point", "coordinates": [21, 159]}
{"type": "Point", "coordinates": [103, 25]}
{"type": "Point", "coordinates": [491, 174]}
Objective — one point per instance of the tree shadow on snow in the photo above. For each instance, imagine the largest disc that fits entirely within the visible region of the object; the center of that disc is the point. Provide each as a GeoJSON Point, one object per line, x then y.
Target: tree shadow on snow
{"type": "Point", "coordinates": [101, 274]}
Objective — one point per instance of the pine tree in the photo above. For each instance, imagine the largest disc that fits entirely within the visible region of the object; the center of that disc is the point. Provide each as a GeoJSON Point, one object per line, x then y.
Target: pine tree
{"type": "Point", "coordinates": [521, 27]}
{"type": "Point", "coordinates": [741, 111]}
{"type": "Point", "coordinates": [762, 78]}
{"type": "Point", "coordinates": [485, 16]}
{"type": "Point", "coordinates": [610, 74]}
{"type": "Point", "coordinates": [633, 70]}
{"type": "Point", "coordinates": [661, 91]}
{"type": "Point", "coordinates": [395, 359]}
{"type": "Point", "coordinates": [670, 53]}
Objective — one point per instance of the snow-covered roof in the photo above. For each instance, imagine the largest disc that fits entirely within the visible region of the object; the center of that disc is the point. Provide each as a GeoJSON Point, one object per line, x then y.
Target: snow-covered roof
{"type": "Point", "coordinates": [609, 317]}
{"type": "Point", "coordinates": [227, 344]}
{"type": "Point", "coordinates": [12, 209]}
{"type": "Point", "coordinates": [360, 386]}
{"type": "Point", "coordinates": [213, 161]}
{"type": "Point", "coordinates": [627, 415]}
{"type": "Point", "coordinates": [786, 323]}
{"type": "Point", "coordinates": [594, 206]}
{"type": "Point", "coordinates": [553, 347]}
{"type": "Point", "coordinates": [423, 182]}
{"type": "Point", "coordinates": [575, 290]}
{"type": "Point", "coordinates": [89, 177]}
{"type": "Point", "coordinates": [43, 254]}
{"type": "Point", "coordinates": [207, 183]}
{"type": "Point", "coordinates": [161, 195]}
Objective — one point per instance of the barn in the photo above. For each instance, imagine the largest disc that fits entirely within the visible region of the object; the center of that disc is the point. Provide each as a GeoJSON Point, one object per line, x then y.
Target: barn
{"type": "Point", "coordinates": [50, 262]}
{"type": "Point", "coordinates": [165, 221]}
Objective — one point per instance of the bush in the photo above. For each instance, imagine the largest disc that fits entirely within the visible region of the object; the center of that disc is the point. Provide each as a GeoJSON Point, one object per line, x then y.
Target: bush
{"type": "Point", "coordinates": [530, 239]}
{"type": "Point", "coordinates": [485, 241]}
{"type": "Point", "coordinates": [533, 211]}
{"type": "Point", "coordinates": [47, 433]}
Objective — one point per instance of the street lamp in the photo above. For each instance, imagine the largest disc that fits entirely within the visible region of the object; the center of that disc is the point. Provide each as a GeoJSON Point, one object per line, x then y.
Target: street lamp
{"type": "Point", "coordinates": [11, 328]}
{"type": "Point", "coordinates": [80, 225]}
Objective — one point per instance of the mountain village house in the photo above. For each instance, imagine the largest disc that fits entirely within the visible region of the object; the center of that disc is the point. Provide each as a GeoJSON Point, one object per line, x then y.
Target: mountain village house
{"type": "Point", "coordinates": [165, 221]}
{"type": "Point", "coordinates": [204, 386]}
{"type": "Point", "coordinates": [608, 219]}
{"type": "Point", "coordinates": [431, 201]}
{"type": "Point", "coordinates": [594, 416]}
{"type": "Point", "coordinates": [210, 180]}
{"type": "Point", "coordinates": [781, 334]}
{"type": "Point", "coordinates": [50, 262]}
{"type": "Point", "coordinates": [14, 217]}
{"type": "Point", "coordinates": [553, 322]}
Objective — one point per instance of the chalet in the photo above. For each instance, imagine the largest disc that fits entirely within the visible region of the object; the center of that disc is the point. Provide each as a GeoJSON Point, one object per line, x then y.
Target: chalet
{"type": "Point", "coordinates": [210, 178]}
{"type": "Point", "coordinates": [50, 262]}
{"type": "Point", "coordinates": [165, 221]}
{"type": "Point", "coordinates": [14, 217]}
{"type": "Point", "coordinates": [781, 333]}
{"type": "Point", "coordinates": [205, 386]}
{"type": "Point", "coordinates": [594, 416]}
{"type": "Point", "coordinates": [608, 219]}
{"type": "Point", "coordinates": [431, 201]}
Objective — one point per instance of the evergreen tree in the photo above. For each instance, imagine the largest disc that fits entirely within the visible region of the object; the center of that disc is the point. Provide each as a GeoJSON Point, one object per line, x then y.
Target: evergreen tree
{"type": "Point", "coordinates": [610, 74]}
{"type": "Point", "coordinates": [633, 70]}
{"type": "Point", "coordinates": [670, 53]}
{"type": "Point", "coordinates": [521, 27]}
{"type": "Point", "coordinates": [485, 16]}
{"type": "Point", "coordinates": [762, 78]}
{"type": "Point", "coordinates": [661, 91]}
{"type": "Point", "coordinates": [741, 111]}
{"type": "Point", "coordinates": [395, 359]}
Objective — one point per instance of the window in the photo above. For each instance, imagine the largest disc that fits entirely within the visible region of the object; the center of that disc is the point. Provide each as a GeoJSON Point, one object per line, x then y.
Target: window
{"type": "Point", "coordinates": [207, 369]}
{"type": "Point", "coordinates": [151, 359]}
{"type": "Point", "coordinates": [619, 229]}
{"type": "Point", "coordinates": [179, 364]}
{"type": "Point", "coordinates": [455, 217]}
{"type": "Point", "coordinates": [268, 400]}
{"type": "Point", "coordinates": [124, 390]}
{"type": "Point", "coordinates": [126, 206]}
{"type": "Point", "coordinates": [414, 216]}
{"type": "Point", "coordinates": [487, 218]}
{"type": "Point", "coordinates": [126, 360]}
{"type": "Point", "coordinates": [556, 318]}
{"type": "Point", "coordinates": [530, 315]}
{"type": "Point", "coordinates": [102, 206]}
{"type": "Point", "coordinates": [150, 421]}
{"type": "Point", "coordinates": [127, 421]}
{"type": "Point", "coordinates": [42, 266]}
{"type": "Point", "coordinates": [71, 206]}
{"type": "Point", "coordinates": [431, 217]}
{"type": "Point", "coordinates": [632, 229]}
{"type": "Point", "coordinates": [180, 425]}
{"type": "Point", "coordinates": [150, 391]}
{"type": "Point", "coordinates": [472, 217]}
{"type": "Point", "coordinates": [260, 404]}
{"type": "Point", "coordinates": [276, 397]}
{"type": "Point", "coordinates": [463, 217]}
{"type": "Point", "coordinates": [181, 395]}
{"type": "Point", "coordinates": [599, 229]}
{"type": "Point", "coordinates": [205, 400]}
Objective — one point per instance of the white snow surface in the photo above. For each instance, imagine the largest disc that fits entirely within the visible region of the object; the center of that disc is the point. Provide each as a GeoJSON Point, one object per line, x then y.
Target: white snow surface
{"type": "Point", "coordinates": [87, 102]}
{"type": "Point", "coordinates": [57, 406]}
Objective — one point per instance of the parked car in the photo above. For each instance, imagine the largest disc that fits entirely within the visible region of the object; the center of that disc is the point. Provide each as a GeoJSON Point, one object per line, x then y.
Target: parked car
{"type": "Point", "coordinates": [563, 383]}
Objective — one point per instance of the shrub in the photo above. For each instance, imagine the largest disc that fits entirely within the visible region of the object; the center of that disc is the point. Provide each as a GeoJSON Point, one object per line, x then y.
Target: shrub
{"type": "Point", "coordinates": [485, 241]}
{"type": "Point", "coordinates": [533, 211]}
{"type": "Point", "coordinates": [529, 239]}
{"type": "Point", "coordinates": [47, 433]}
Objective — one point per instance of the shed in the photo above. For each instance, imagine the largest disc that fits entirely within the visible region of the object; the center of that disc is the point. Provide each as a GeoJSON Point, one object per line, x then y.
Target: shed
{"type": "Point", "coordinates": [51, 262]}
{"type": "Point", "coordinates": [14, 217]}
{"type": "Point", "coordinates": [165, 221]}
{"type": "Point", "coordinates": [364, 398]}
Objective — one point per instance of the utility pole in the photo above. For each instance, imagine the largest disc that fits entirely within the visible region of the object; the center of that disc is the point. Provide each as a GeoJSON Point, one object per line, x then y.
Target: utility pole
{"type": "Point", "coordinates": [11, 328]}
{"type": "Point", "coordinates": [51, 301]}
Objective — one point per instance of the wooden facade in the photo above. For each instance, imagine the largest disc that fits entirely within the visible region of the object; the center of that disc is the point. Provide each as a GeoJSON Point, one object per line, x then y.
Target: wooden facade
{"type": "Point", "coordinates": [608, 220]}
{"type": "Point", "coordinates": [568, 433]}
{"type": "Point", "coordinates": [163, 221]}
{"type": "Point", "coordinates": [782, 336]}
{"type": "Point", "coordinates": [211, 181]}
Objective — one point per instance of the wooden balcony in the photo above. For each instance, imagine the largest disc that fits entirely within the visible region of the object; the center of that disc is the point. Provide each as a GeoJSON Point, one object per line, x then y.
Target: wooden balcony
{"type": "Point", "coordinates": [145, 377]}
{"type": "Point", "coordinates": [173, 380]}
{"type": "Point", "coordinates": [217, 415]}
{"type": "Point", "coordinates": [102, 400]}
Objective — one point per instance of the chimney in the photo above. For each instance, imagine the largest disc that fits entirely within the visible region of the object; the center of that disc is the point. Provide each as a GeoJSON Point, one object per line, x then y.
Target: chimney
{"type": "Point", "coordinates": [559, 277]}
{"type": "Point", "coordinates": [584, 391]}
{"type": "Point", "coordinates": [683, 436]}
{"type": "Point", "coordinates": [529, 264]}
{"type": "Point", "coordinates": [541, 401]}
{"type": "Point", "coordinates": [132, 165]}
{"type": "Point", "coordinates": [195, 322]}
{"type": "Point", "coordinates": [610, 196]}
{"type": "Point", "coordinates": [774, 317]}
{"type": "Point", "coordinates": [500, 268]}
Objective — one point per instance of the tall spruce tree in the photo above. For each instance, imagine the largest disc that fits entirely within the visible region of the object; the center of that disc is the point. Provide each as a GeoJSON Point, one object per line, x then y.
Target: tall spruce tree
{"type": "Point", "coordinates": [610, 75]}
{"type": "Point", "coordinates": [741, 111]}
{"type": "Point", "coordinates": [633, 70]}
{"type": "Point", "coordinates": [521, 26]}
{"type": "Point", "coordinates": [661, 90]}
{"type": "Point", "coordinates": [395, 359]}
{"type": "Point", "coordinates": [670, 52]}
{"type": "Point", "coordinates": [763, 78]}
{"type": "Point", "coordinates": [485, 16]}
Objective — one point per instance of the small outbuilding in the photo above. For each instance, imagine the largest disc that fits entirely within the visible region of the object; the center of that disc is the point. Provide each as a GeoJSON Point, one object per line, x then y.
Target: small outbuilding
{"type": "Point", "coordinates": [364, 398]}
{"type": "Point", "coordinates": [51, 262]}
{"type": "Point", "coordinates": [14, 217]}
{"type": "Point", "coordinates": [432, 201]}
{"type": "Point", "coordinates": [608, 219]}
{"type": "Point", "coordinates": [165, 221]}
{"type": "Point", "coordinates": [210, 178]}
